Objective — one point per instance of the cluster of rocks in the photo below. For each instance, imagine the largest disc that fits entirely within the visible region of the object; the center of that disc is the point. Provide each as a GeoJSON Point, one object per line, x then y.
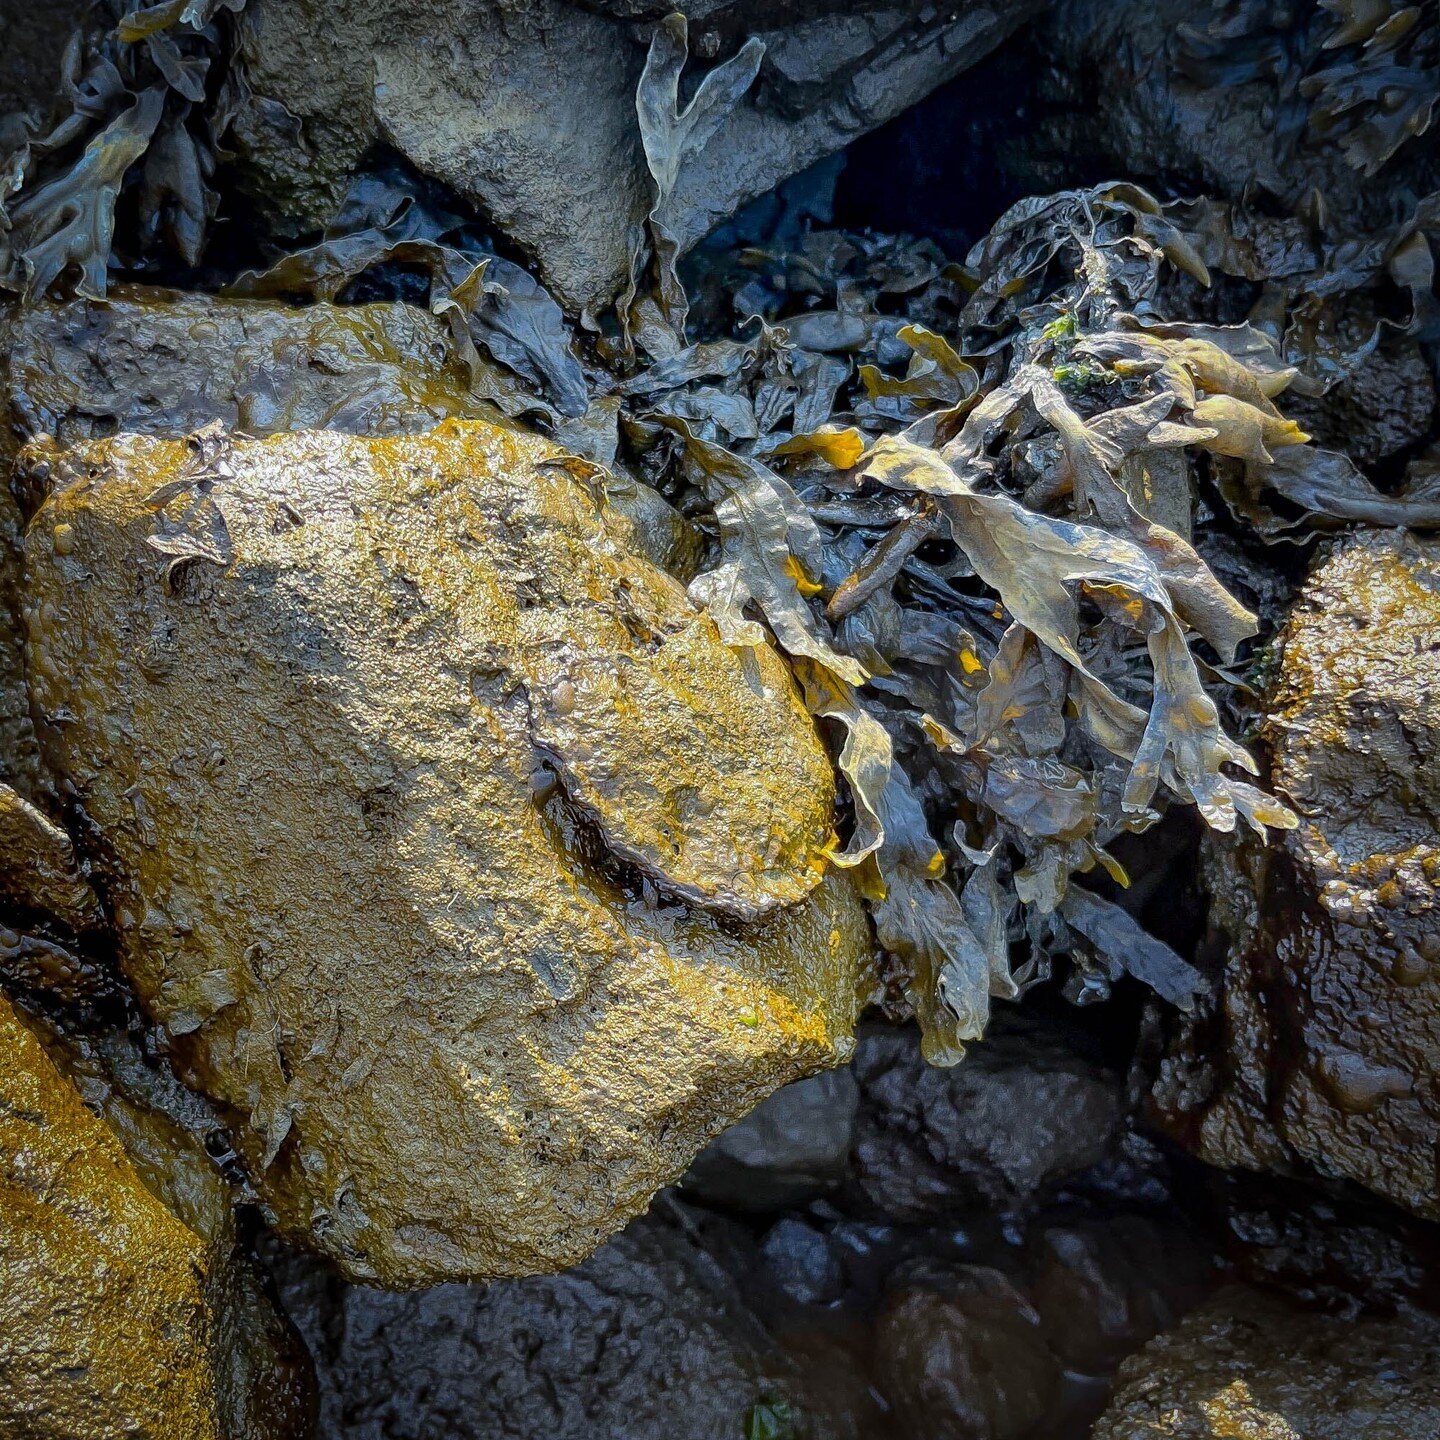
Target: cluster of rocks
{"type": "Point", "coordinates": [402, 877]}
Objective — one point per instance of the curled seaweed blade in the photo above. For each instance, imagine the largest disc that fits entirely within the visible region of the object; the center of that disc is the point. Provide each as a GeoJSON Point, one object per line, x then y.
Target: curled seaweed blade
{"type": "Point", "coordinates": [768, 535]}
{"type": "Point", "coordinates": [70, 221]}
{"type": "Point", "coordinates": [1122, 945]}
{"type": "Point", "coordinates": [670, 134]}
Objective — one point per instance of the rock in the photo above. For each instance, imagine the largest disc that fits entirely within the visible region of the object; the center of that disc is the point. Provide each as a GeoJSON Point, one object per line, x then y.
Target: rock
{"type": "Point", "coordinates": [35, 40]}
{"type": "Point", "coordinates": [1250, 1364]}
{"type": "Point", "coordinates": [1105, 1286]}
{"type": "Point", "coordinates": [1020, 1114]}
{"type": "Point", "coordinates": [1321, 1049]}
{"type": "Point", "coordinates": [648, 1339]}
{"type": "Point", "coordinates": [792, 1148]}
{"type": "Point", "coordinates": [961, 1355]}
{"type": "Point", "coordinates": [1384, 408]}
{"type": "Point", "coordinates": [127, 1308]}
{"type": "Point", "coordinates": [803, 1262]}
{"type": "Point", "coordinates": [1123, 86]}
{"type": "Point", "coordinates": [464, 863]}
{"type": "Point", "coordinates": [529, 111]}
{"type": "Point", "coordinates": [40, 873]}
{"type": "Point", "coordinates": [162, 362]}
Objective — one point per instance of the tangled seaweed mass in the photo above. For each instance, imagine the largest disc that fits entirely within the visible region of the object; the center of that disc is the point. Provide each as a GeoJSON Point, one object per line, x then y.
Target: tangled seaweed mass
{"type": "Point", "coordinates": [956, 496]}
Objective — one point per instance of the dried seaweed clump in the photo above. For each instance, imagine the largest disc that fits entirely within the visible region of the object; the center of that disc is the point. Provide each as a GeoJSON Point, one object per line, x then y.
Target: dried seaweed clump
{"type": "Point", "coordinates": [142, 106]}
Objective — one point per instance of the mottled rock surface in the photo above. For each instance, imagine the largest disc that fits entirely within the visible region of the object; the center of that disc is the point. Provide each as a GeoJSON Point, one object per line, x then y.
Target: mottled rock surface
{"type": "Point", "coordinates": [529, 110]}
{"type": "Point", "coordinates": [649, 1339]}
{"type": "Point", "coordinates": [400, 765]}
{"type": "Point", "coordinates": [1020, 1114]}
{"type": "Point", "coordinates": [791, 1148]}
{"type": "Point", "coordinates": [40, 873]}
{"type": "Point", "coordinates": [1119, 82]}
{"type": "Point", "coordinates": [961, 1355]}
{"type": "Point", "coordinates": [127, 1310]}
{"type": "Point", "coordinates": [1322, 1050]}
{"type": "Point", "coordinates": [163, 362]}
{"type": "Point", "coordinates": [35, 40]}
{"type": "Point", "coordinates": [1251, 1366]}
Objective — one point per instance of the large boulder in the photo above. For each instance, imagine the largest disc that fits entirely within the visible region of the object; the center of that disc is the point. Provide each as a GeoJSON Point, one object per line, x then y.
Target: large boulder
{"type": "Point", "coordinates": [128, 1310]}
{"type": "Point", "coordinates": [163, 362]}
{"type": "Point", "coordinates": [1202, 100]}
{"type": "Point", "coordinates": [1250, 1364]}
{"type": "Point", "coordinates": [1321, 1048]}
{"type": "Point", "coordinates": [462, 860]}
{"type": "Point", "coordinates": [1020, 1115]}
{"type": "Point", "coordinates": [649, 1339]}
{"type": "Point", "coordinates": [529, 110]}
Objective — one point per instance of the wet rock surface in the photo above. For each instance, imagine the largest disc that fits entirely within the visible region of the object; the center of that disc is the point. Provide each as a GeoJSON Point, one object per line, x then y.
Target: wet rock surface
{"type": "Point", "coordinates": [128, 1308]}
{"type": "Point", "coordinates": [964, 1355]}
{"type": "Point", "coordinates": [1322, 1051]}
{"type": "Point", "coordinates": [287, 675]}
{"type": "Point", "coordinates": [1254, 1365]}
{"type": "Point", "coordinates": [791, 1148]}
{"type": "Point", "coordinates": [650, 1337]}
{"type": "Point", "coordinates": [529, 111]}
{"type": "Point", "coordinates": [1020, 1115]}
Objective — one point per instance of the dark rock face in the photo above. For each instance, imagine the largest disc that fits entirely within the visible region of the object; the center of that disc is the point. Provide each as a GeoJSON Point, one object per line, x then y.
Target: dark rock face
{"type": "Point", "coordinates": [1020, 1114]}
{"type": "Point", "coordinates": [791, 1148]}
{"type": "Point", "coordinates": [962, 1355]}
{"type": "Point", "coordinates": [1321, 1051]}
{"type": "Point", "coordinates": [35, 38]}
{"type": "Point", "coordinates": [1122, 81]}
{"type": "Point", "coordinates": [649, 1339]}
{"type": "Point", "coordinates": [1250, 1364]}
{"type": "Point", "coordinates": [529, 111]}
{"type": "Point", "coordinates": [1105, 1287]}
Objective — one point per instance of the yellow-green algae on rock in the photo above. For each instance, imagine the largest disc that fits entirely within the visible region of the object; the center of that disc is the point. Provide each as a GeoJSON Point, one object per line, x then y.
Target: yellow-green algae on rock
{"type": "Point", "coordinates": [467, 866]}
{"type": "Point", "coordinates": [127, 1311]}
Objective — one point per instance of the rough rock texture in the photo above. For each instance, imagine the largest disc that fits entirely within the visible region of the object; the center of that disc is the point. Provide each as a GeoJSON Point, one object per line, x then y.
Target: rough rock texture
{"type": "Point", "coordinates": [529, 110]}
{"type": "Point", "coordinates": [647, 1340]}
{"type": "Point", "coordinates": [127, 1311]}
{"type": "Point", "coordinates": [1252, 1366]}
{"type": "Point", "coordinates": [156, 360]}
{"type": "Point", "coordinates": [1116, 92]}
{"type": "Point", "coordinates": [961, 1355]}
{"type": "Point", "coordinates": [362, 730]}
{"type": "Point", "coordinates": [1106, 1286]}
{"type": "Point", "coordinates": [1020, 1114]}
{"type": "Point", "coordinates": [35, 39]}
{"type": "Point", "coordinates": [790, 1149]}
{"type": "Point", "coordinates": [162, 362]}
{"type": "Point", "coordinates": [39, 872]}
{"type": "Point", "coordinates": [1322, 1049]}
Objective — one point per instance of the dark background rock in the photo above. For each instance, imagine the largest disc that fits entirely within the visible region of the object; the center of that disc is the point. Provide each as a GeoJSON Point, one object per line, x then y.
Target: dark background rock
{"type": "Point", "coordinates": [1320, 1050]}
{"type": "Point", "coordinates": [1019, 1115]}
{"type": "Point", "coordinates": [649, 1339]}
{"type": "Point", "coordinates": [36, 33]}
{"type": "Point", "coordinates": [791, 1148]}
